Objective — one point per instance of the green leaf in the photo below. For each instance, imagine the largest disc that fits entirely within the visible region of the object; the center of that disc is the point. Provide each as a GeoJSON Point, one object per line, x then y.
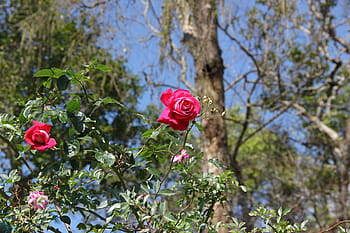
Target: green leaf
{"type": "Point", "coordinates": [113, 207]}
{"type": "Point", "coordinates": [71, 148]}
{"type": "Point", "coordinates": [8, 126]}
{"type": "Point", "coordinates": [105, 158]}
{"type": "Point", "coordinates": [199, 126]}
{"type": "Point", "coordinates": [77, 120]}
{"type": "Point", "coordinates": [153, 171]}
{"type": "Point", "coordinates": [65, 219]}
{"type": "Point", "coordinates": [63, 82]}
{"type": "Point", "coordinates": [13, 177]}
{"type": "Point", "coordinates": [169, 217]}
{"type": "Point", "coordinates": [57, 72]}
{"type": "Point", "coordinates": [103, 68]}
{"type": "Point", "coordinates": [217, 163]}
{"type": "Point", "coordinates": [81, 226]}
{"type": "Point", "coordinates": [26, 112]}
{"type": "Point", "coordinates": [47, 83]}
{"type": "Point", "coordinates": [108, 100]}
{"type": "Point", "coordinates": [73, 105]}
{"type": "Point", "coordinates": [44, 73]}
{"type": "Point", "coordinates": [63, 117]}
{"type": "Point", "coordinates": [243, 188]}
{"type": "Point", "coordinates": [103, 205]}
{"type": "Point", "coordinates": [167, 192]}
{"type": "Point", "coordinates": [156, 186]}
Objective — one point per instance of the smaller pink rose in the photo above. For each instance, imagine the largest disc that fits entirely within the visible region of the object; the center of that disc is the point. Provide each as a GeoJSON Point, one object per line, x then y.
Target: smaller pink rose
{"type": "Point", "coordinates": [38, 137]}
{"type": "Point", "coordinates": [180, 157]}
{"type": "Point", "coordinates": [181, 108]}
{"type": "Point", "coordinates": [37, 200]}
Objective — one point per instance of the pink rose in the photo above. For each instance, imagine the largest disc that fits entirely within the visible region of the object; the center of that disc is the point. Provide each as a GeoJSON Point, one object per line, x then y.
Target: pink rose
{"type": "Point", "coordinates": [179, 158]}
{"type": "Point", "coordinates": [181, 108]}
{"type": "Point", "coordinates": [38, 137]}
{"type": "Point", "coordinates": [38, 200]}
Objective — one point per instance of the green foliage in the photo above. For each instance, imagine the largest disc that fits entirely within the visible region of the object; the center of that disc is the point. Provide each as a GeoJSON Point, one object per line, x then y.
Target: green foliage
{"type": "Point", "coordinates": [91, 175]}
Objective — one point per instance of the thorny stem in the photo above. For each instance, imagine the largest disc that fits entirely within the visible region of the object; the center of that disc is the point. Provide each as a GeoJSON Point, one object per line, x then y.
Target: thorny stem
{"type": "Point", "coordinates": [171, 162]}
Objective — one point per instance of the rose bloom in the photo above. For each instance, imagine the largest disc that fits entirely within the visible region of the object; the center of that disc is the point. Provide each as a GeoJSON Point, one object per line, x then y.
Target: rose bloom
{"type": "Point", "coordinates": [38, 137]}
{"type": "Point", "coordinates": [181, 108]}
{"type": "Point", "coordinates": [38, 200]}
{"type": "Point", "coordinates": [179, 158]}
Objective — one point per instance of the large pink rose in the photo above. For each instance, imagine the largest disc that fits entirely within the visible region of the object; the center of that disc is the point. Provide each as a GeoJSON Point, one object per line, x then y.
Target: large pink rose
{"type": "Point", "coordinates": [38, 137]}
{"type": "Point", "coordinates": [181, 108]}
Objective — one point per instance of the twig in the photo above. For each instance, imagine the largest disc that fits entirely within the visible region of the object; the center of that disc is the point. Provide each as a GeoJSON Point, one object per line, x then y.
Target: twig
{"type": "Point", "coordinates": [334, 226]}
{"type": "Point", "coordinates": [61, 214]}
{"type": "Point", "coordinates": [95, 4]}
{"type": "Point", "coordinates": [91, 212]}
{"type": "Point", "coordinates": [284, 109]}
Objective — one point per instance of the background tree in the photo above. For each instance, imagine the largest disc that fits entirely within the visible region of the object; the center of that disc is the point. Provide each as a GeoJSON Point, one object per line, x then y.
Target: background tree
{"type": "Point", "coordinates": [284, 60]}
{"type": "Point", "coordinates": [276, 72]}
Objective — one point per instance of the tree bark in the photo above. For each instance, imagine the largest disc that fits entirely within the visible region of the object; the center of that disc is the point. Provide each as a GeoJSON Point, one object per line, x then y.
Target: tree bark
{"type": "Point", "coordinates": [344, 167]}
{"type": "Point", "coordinates": [201, 38]}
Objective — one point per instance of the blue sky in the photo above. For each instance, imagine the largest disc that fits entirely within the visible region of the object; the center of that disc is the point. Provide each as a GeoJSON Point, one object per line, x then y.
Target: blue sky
{"type": "Point", "coordinates": [130, 38]}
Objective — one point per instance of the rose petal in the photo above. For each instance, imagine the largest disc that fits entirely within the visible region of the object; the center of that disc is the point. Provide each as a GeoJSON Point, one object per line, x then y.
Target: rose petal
{"type": "Point", "coordinates": [177, 158]}
{"type": "Point", "coordinates": [164, 117]}
{"type": "Point", "coordinates": [42, 126]}
{"type": "Point", "coordinates": [51, 143]}
{"type": "Point", "coordinates": [40, 136]}
{"type": "Point", "coordinates": [166, 96]}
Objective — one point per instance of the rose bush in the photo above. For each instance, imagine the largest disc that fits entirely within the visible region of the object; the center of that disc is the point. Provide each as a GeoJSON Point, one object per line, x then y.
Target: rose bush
{"type": "Point", "coordinates": [38, 137]}
{"type": "Point", "coordinates": [181, 108]}
{"type": "Point", "coordinates": [104, 186]}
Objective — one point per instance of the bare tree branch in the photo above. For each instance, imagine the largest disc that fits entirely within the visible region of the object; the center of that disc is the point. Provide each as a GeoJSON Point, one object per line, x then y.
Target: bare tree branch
{"type": "Point", "coordinates": [262, 126]}
{"type": "Point", "coordinates": [321, 126]}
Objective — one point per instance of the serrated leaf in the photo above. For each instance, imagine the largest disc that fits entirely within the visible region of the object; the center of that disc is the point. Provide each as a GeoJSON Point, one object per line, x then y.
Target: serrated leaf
{"type": "Point", "coordinates": [105, 158]}
{"type": "Point", "coordinates": [71, 148]}
{"type": "Point", "coordinates": [44, 73]}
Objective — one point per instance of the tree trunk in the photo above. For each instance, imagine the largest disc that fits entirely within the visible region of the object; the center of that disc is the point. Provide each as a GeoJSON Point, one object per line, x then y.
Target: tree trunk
{"type": "Point", "coordinates": [200, 35]}
{"type": "Point", "coordinates": [344, 167]}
